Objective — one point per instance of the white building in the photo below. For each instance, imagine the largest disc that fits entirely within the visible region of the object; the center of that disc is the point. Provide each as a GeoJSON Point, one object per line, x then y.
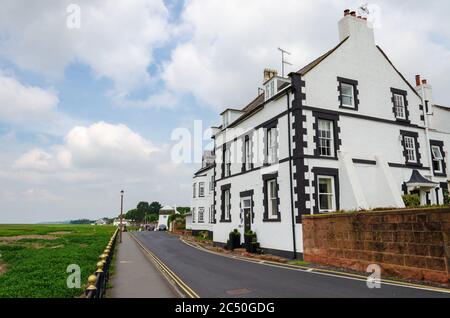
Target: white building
{"type": "Point", "coordinates": [164, 214]}
{"type": "Point", "coordinates": [345, 132]}
{"type": "Point", "coordinates": [202, 206]}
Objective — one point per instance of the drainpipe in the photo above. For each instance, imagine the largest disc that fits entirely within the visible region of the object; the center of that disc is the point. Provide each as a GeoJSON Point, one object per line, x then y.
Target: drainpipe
{"type": "Point", "coordinates": [427, 134]}
{"type": "Point", "coordinates": [290, 173]}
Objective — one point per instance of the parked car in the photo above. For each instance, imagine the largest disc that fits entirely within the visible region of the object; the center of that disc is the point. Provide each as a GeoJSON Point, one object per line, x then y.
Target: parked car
{"type": "Point", "coordinates": [162, 227]}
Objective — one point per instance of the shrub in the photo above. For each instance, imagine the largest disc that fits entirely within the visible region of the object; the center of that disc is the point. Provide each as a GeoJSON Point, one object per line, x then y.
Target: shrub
{"type": "Point", "coordinates": [234, 239]}
{"type": "Point", "coordinates": [411, 200]}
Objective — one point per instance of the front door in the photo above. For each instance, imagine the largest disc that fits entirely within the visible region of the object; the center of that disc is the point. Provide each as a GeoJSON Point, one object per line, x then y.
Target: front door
{"type": "Point", "coordinates": [246, 204]}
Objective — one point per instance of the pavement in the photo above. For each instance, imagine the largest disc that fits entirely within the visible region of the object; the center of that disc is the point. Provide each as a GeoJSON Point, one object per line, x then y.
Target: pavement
{"type": "Point", "coordinates": [216, 276]}
{"type": "Point", "coordinates": [135, 276]}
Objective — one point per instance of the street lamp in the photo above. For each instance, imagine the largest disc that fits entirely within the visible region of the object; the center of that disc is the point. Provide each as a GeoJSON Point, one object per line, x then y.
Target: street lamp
{"type": "Point", "coordinates": [121, 214]}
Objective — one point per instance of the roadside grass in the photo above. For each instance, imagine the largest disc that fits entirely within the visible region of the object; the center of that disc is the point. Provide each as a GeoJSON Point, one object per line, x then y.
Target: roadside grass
{"type": "Point", "coordinates": [299, 263]}
{"type": "Point", "coordinates": [36, 268]}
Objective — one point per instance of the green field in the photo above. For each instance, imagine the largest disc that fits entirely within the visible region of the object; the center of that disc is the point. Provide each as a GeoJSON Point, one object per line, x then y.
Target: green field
{"type": "Point", "coordinates": [34, 258]}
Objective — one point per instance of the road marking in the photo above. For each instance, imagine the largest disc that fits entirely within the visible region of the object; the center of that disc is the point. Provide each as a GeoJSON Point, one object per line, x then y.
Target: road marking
{"type": "Point", "coordinates": [324, 272]}
{"type": "Point", "coordinates": [177, 280]}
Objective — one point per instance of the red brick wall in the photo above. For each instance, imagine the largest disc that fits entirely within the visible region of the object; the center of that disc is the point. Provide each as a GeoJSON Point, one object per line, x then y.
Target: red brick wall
{"type": "Point", "coordinates": [412, 244]}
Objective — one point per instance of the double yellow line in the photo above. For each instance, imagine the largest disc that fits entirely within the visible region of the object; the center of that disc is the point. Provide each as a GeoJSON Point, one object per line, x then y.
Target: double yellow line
{"type": "Point", "coordinates": [166, 270]}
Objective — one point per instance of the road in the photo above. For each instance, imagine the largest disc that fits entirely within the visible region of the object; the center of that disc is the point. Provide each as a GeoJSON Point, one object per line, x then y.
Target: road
{"type": "Point", "coordinates": [216, 276]}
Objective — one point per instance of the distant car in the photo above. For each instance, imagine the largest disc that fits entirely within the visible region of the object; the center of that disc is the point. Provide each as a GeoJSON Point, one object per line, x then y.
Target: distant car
{"type": "Point", "coordinates": [162, 227]}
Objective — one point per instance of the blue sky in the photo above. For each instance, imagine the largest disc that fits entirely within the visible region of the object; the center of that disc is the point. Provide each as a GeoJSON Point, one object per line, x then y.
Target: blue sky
{"type": "Point", "coordinates": [86, 112]}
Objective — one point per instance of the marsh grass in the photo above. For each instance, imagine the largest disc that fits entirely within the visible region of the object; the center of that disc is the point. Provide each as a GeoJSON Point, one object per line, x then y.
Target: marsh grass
{"type": "Point", "coordinates": [41, 272]}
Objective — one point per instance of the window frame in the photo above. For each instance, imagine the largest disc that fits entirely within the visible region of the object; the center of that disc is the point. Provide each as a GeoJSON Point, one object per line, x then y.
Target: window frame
{"type": "Point", "coordinates": [201, 186]}
{"type": "Point", "coordinates": [404, 94]}
{"type": "Point", "coordinates": [248, 154]}
{"type": "Point", "coordinates": [271, 148]}
{"type": "Point", "coordinates": [332, 194]}
{"type": "Point", "coordinates": [355, 92]}
{"type": "Point", "coordinates": [194, 190]}
{"type": "Point", "coordinates": [193, 215]}
{"type": "Point", "coordinates": [227, 198]}
{"type": "Point", "coordinates": [271, 197]}
{"type": "Point", "coordinates": [414, 137]}
{"type": "Point", "coordinates": [442, 171]}
{"type": "Point", "coordinates": [397, 106]}
{"type": "Point", "coordinates": [201, 215]}
{"type": "Point", "coordinates": [410, 147]}
{"type": "Point", "coordinates": [330, 139]}
{"type": "Point", "coordinates": [268, 199]}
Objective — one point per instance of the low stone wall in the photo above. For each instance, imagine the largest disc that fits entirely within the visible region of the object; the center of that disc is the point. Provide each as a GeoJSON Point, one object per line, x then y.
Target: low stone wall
{"type": "Point", "coordinates": [412, 244]}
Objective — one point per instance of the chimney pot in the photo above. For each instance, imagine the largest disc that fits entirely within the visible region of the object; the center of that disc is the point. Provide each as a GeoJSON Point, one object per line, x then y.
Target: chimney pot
{"type": "Point", "coordinates": [346, 12]}
{"type": "Point", "coordinates": [418, 81]}
{"type": "Point", "coordinates": [424, 82]}
{"type": "Point", "coordinates": [359, 17]}
{"type": "Point", "coordinates": [353, 13]}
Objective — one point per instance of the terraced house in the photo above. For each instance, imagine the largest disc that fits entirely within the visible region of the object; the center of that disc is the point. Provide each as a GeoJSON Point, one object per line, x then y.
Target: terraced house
{"type": "Point", "coordinates": [345, 132]}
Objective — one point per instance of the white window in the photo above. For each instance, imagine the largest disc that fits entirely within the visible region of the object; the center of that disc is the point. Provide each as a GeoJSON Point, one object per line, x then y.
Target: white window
{"type": "Point", "coordinates": [347, 95]}
{"type": "Point", "coordinates": [270, 89]}
{"type": "Point", "coordinates": [194, 192]}
{"type": "Point", "coordinates": [211, 184]}
{"type": "Point", "coordinates": [327, 201]}
{"type": "Point", "coordinates": [227, 205]}
{"type": "Point", "coordinates": [211, 214]}
{"type": "Point", "coordinates": [227, 162]}
{"type": "Point", "coordinates": [326, 140]}
{"type": "Point", "coordinates": [437, 159]}
{"type": "Point", "coordinates": [201, 215]}
{"type": "Point", "coordinates": [248, 155]}
{"type": "Point", "coordinates": [272, 199]}
{"type": "Point", "coordinates": [410, 146]}
{"type": "Point", "coordinates": [201, 189]}
{"type": "Point", "coordinates": [399, 104]}
{"type": "Point", "coordinates": [193, 215]}
{"type": "Point", "coordinates": [271, 146]}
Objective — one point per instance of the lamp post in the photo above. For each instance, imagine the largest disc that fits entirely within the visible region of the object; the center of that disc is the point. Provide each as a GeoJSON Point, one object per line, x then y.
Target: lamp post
{"type": "Point", "coordinates": [121, 215]}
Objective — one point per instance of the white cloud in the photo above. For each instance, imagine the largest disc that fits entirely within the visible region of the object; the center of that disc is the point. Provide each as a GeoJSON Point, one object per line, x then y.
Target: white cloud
{"type": "Point", "coordinates": [116, 39]}
{"type": "Point", "coordinates": [102, 144]}
{"type": "Point", "coordinates": [36, 159]}
{"type": "Point", "coordinates": [229, 43]}
{"type": "Point", "coordinates": [21, 103]}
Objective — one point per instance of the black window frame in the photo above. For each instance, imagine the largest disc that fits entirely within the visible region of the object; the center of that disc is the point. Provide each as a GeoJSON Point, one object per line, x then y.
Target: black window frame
{"type": "Point", "coordinates": [326, 172]}
{"type": "Point", "coordinates": [224, 188]}
{"type": "Point", "coordinates": [415, 136]}
{"type": "Point", "coordinates": [440, 144]}
{"type": "Point", "coordinates": [396, 91]}
{"type": "Point", "coordinates": [266, 179]}
{"type": "Point", "coordinates": [269, 126]}
{"type": "Point", "coordinates": [334, 118]}
{"type": "Point", "coordinates": [353, 83]}
{"type": "Point", "coordinates": [204, 188]}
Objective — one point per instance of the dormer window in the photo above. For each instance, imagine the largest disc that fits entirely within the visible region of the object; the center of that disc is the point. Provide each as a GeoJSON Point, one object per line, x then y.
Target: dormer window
{"type": "Point", "coordinates": [270, 89]}
{"type": "Point", "coordinates": [274, 85]}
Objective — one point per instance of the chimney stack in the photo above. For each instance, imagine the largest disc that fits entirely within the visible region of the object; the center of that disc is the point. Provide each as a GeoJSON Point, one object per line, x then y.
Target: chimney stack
{"type": "Point", "coordinates": [357, 28]}
{"type": "Point", "coordinates": [269, 73]}
{"type": "Point", "coordinates": [418, 81]}
{"type": "Point", "coordinates": [424, 82]}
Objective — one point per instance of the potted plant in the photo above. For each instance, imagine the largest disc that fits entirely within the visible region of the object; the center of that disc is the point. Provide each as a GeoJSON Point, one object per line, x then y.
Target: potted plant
{"type": "Point", "coordinates": [234, 239]}
{"type": "Point", "coordinates": [249, 238]}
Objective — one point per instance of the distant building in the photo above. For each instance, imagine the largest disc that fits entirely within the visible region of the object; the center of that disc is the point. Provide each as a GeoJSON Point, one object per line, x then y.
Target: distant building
{"type": "Point", "coordinates": [102, 221]}
{"type": "Point", "coordinates": [124, 222]}
{"type": "Point", "coordinates": [164, 214]}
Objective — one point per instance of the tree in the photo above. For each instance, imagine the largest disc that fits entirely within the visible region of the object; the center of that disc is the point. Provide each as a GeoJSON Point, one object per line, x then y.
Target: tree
{"type": "Point", "coordinates": [155, 207]}
{"type": "Point", "coordinates": [152, 218]}
{"type": "Point", "coordinates": [183, 210]}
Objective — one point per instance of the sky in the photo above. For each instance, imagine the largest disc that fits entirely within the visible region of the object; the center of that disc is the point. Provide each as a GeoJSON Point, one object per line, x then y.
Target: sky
{"type": "Point", "coordinates": [93, 96]}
